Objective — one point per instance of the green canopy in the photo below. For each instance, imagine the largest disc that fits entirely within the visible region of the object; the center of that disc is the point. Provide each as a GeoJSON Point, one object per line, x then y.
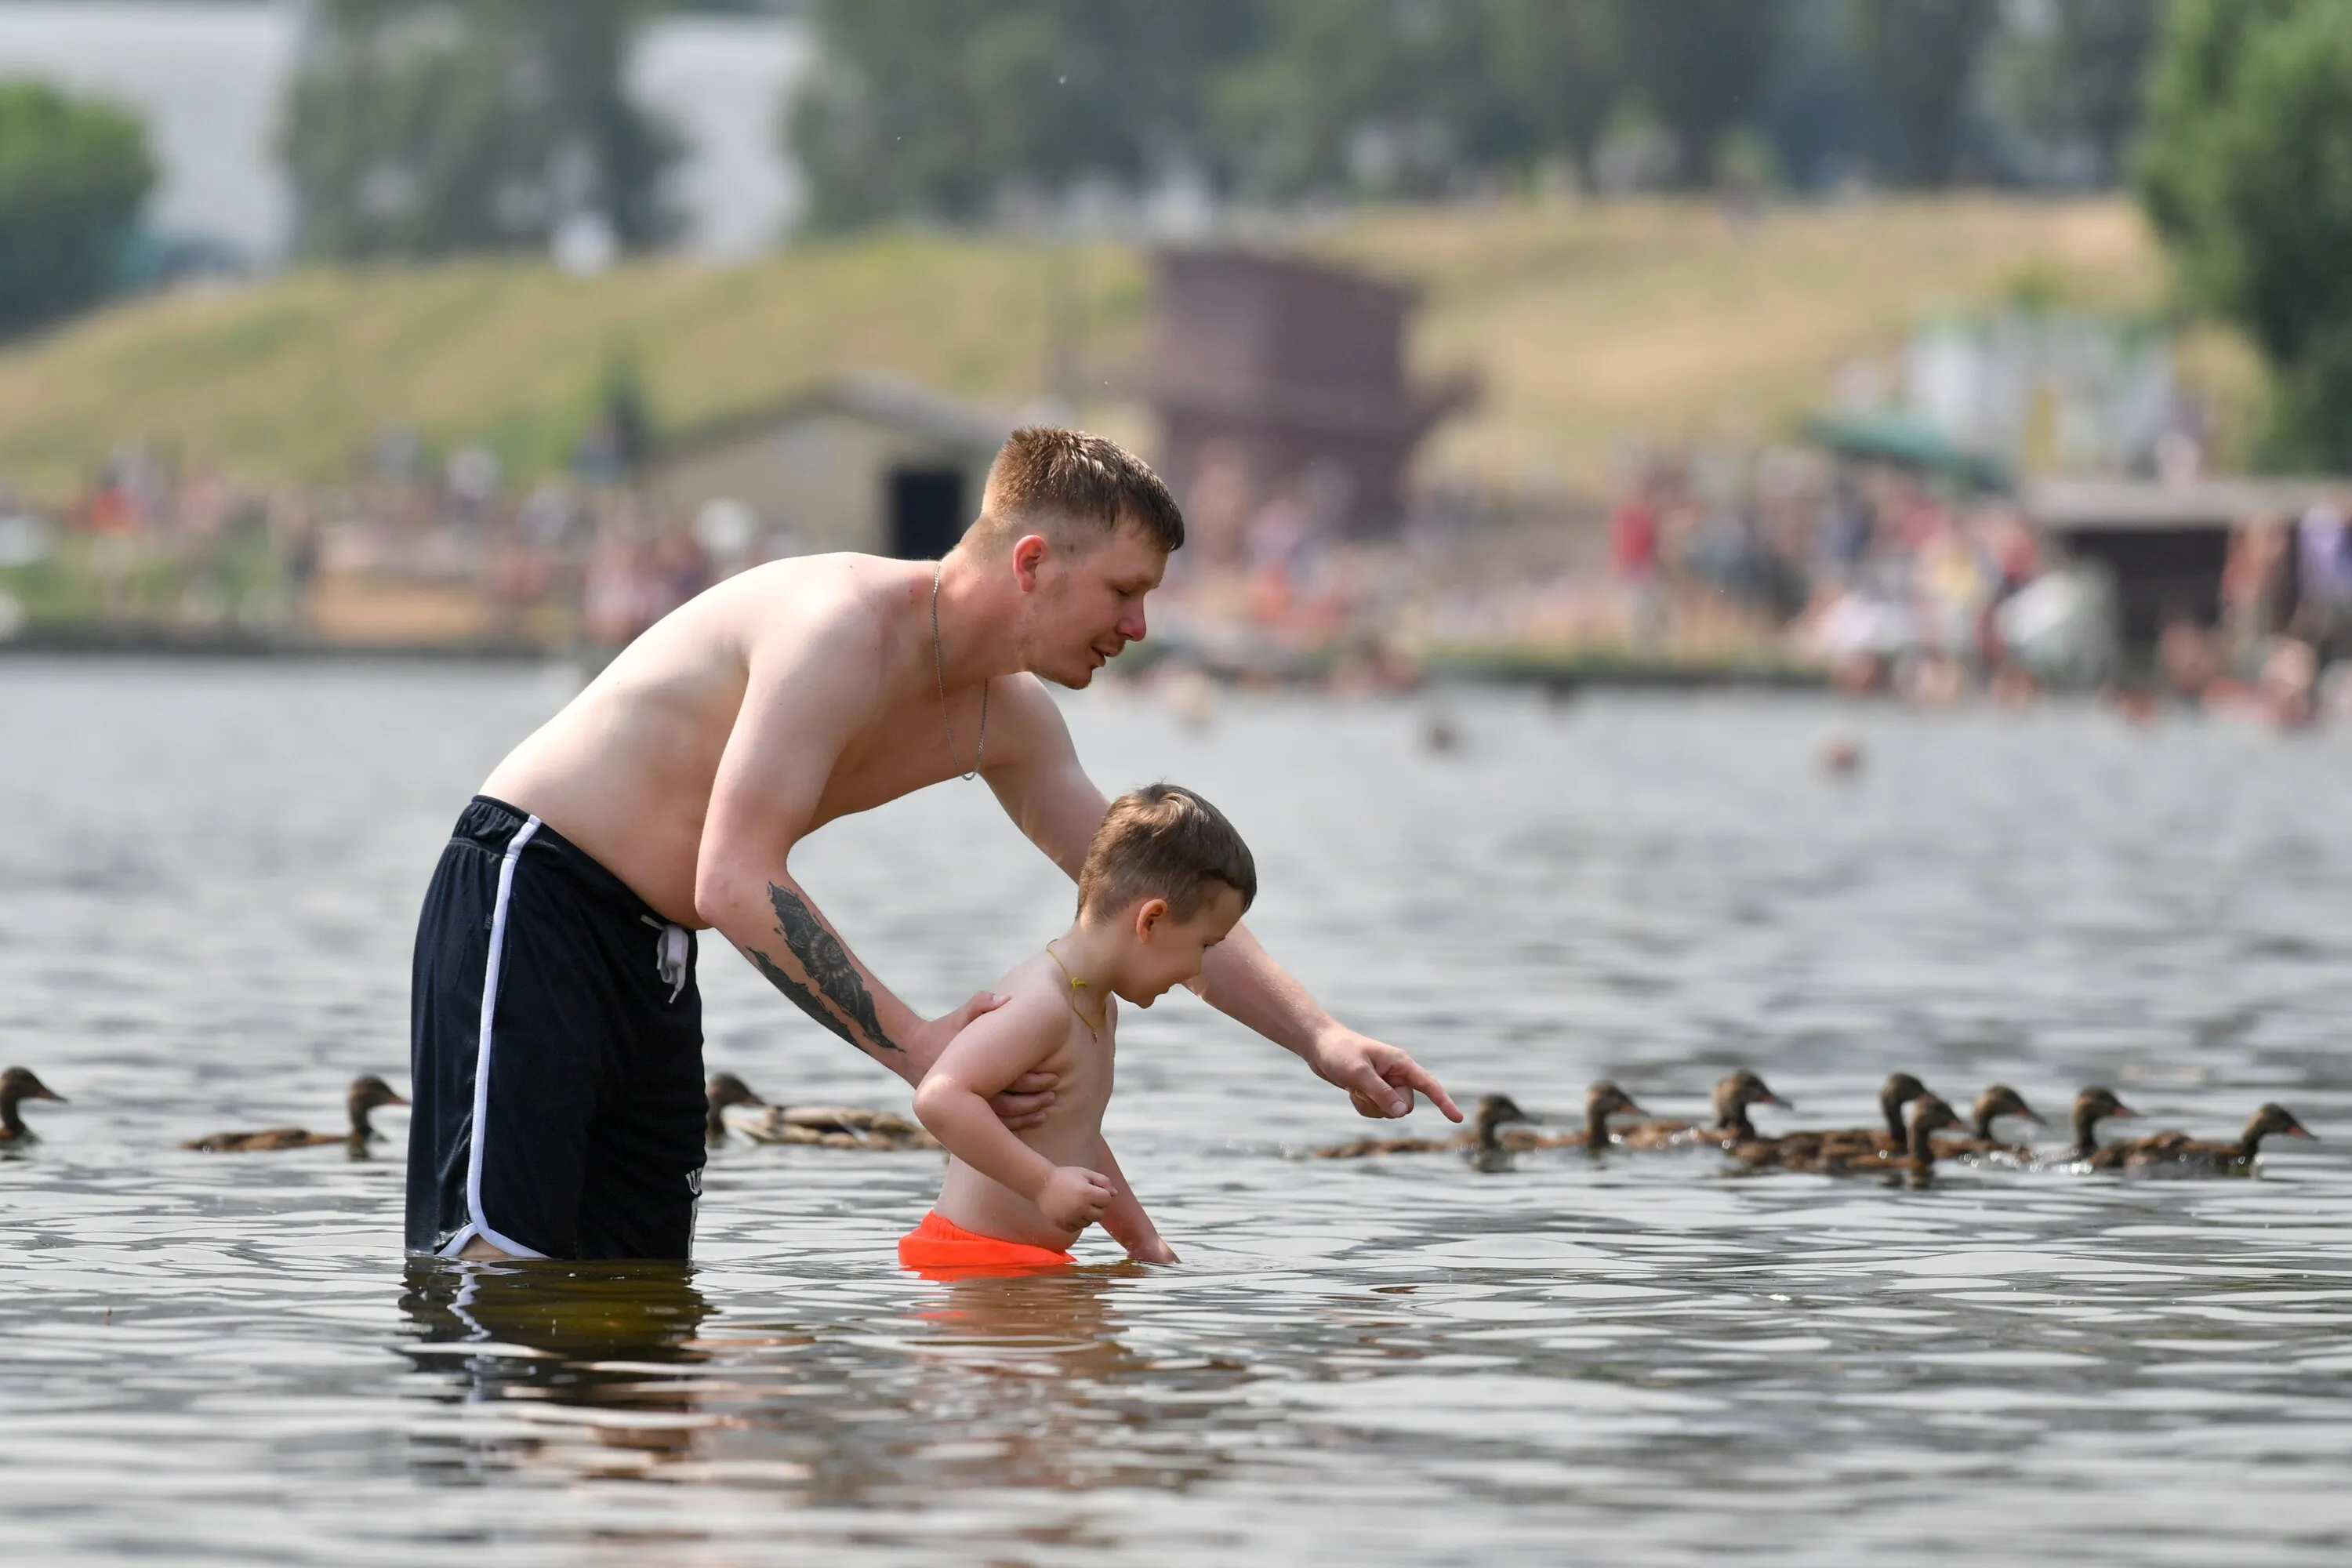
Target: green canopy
{"type": "Point", "coordinates": [1909, 441]}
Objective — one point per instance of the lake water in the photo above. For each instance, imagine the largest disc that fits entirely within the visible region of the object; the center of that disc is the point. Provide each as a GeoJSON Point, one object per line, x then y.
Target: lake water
{"type": "Point", "coordinates": [208, 877]}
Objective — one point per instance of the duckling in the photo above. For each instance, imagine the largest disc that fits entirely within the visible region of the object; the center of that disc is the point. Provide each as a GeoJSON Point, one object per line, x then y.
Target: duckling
{"type": "Point", "coordinates": [1928, 1115]}
{"type": "Point", "coordinates": [827, 1126]}
{"type": "Point", "coordinates": [1602, 1101]}
{"type": "Point", "coordinates": [17, 1085]}
{"type": "Point", "coordinates": [1482, 1135]}
{"type": "Point", "coordinates": [2179, 1150]}
{"type": "Point", "coordinates": [1899, 1091]}
{"type": "Point", "coordinates": [1995, 1102]}
{"type": "Point", "coordinates": [721, 1094]}
{"type": "Point", "coordinates": [2092, 1106]}
{"type": "Point", "coordinates": [366, 1094]}
{"type": "Point", "coordinates": [1732, 1098]}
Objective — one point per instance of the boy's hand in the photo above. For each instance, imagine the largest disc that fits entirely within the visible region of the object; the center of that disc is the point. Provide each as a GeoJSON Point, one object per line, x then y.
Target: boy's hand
{"type": "Point", "coordinates": [1152, 1251]}
{"type": "Point", "coordinates": [1074, 1197]}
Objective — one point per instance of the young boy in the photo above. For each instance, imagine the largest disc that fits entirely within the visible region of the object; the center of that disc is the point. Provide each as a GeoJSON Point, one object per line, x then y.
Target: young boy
{"type": "Point", "coordinates": [1165, 879]}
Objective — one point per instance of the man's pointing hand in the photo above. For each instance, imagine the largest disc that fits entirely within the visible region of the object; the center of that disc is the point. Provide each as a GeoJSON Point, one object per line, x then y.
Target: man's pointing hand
{"type": "Point", "coordinates": [1380, 1078]}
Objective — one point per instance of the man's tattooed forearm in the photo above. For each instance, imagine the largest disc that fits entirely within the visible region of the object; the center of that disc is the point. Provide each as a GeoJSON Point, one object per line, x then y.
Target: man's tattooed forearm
{"type": "Point", "coordinates": [803, 997]}
{"type": "Point", "coordinates": [826, 963]}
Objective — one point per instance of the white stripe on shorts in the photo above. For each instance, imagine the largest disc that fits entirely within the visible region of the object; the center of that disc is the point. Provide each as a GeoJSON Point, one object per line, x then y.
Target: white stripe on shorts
{"type": "Point", "coordinates": [478, 1225]}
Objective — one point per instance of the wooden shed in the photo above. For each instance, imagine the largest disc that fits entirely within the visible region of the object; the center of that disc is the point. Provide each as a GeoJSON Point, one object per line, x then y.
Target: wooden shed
{"type": "Point", "coordinates": [1289, 368]}
{"type": "Point", "coordinates": [2165, 542]}
{"type": "Point", "coordinates": [867, 463]}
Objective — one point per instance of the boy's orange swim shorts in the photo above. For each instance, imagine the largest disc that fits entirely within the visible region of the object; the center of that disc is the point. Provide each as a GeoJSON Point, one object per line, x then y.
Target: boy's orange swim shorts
{"type": "Point", "coordinates": [940, 1249]}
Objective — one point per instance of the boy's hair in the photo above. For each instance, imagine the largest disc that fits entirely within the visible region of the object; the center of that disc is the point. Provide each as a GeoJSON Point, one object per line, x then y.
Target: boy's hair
{"type": "Point", "coordinates": [1163, 842]}
{"type": "Point", "coordinates": [1054, 478]}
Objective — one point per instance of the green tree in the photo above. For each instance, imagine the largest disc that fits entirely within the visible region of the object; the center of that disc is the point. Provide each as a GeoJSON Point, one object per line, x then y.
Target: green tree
{"type": "Point", "coordinates": [425, 128]}
{"type": "Point", "coordinates": [2246, 171]}
{"type": "Point", "coordinates": [73, 176]}
{"type": "Point", "coordinates": [1921, 59]}
{"type": "Point", "coordinates": [1562, 66]}
{"type": "Point", "coordinates": [936, 107]}
{"type": "Point", "coordinates": [2074, 79]}
{"type": "Point", "coordinates": [1398, 98]}
{"type": "Point", "coordinates": [1701, 67]}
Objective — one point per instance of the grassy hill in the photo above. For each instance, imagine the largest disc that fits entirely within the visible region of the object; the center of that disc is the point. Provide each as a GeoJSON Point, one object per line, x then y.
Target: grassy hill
{"type": "Point", "coordinates": [1591, 325]}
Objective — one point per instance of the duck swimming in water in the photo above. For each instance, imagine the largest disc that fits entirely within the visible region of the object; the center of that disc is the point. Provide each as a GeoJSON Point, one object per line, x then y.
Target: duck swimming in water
{"type": "Point", "coordinates": [1994, 1103]}
{"type": "Point", "coordinates": [1602, 1101]}
{"type": "Point", "coordinates": [1732, 1098]}
{"type": "Point", "coordinates": [16, 1086]}
{"type": "Point", "coordinates": [2092, 1106]}
{"type": "Point", "coordinates": [1928, 1116]}
{"type": "Point", "coordinates": [2179, 1150]}
{"type": "Point", "coordinates": [1484, 1135]}
{"type": "Point", "coordinates": [1809, 1144]}
{"type": "Point", "coordinates": [827, 1126]}
{"type": "Point", "coordinates": [367, 1093]}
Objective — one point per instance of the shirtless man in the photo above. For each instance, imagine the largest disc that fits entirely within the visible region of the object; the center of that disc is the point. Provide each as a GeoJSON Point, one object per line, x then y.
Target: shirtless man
{"type": "Point", "coordinates": [556, 1030]}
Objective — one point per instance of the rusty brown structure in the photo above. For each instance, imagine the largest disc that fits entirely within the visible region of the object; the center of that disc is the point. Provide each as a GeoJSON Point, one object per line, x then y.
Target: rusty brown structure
{"type": "Point", "coordinates": [1270, 372]}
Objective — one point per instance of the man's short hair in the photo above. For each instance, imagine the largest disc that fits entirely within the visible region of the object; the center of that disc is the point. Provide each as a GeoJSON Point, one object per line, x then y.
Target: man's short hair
{"type": "Point", "coordinates": [1164, 842]}
{"type": "Point", "coordinates": [1054, 477]}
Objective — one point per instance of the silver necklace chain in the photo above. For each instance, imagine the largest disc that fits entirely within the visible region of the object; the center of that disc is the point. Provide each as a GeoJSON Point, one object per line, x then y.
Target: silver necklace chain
{"type": "Point", "coordinates": [940, 668]}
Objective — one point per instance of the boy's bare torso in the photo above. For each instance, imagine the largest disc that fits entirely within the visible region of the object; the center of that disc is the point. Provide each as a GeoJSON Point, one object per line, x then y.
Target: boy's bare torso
{"type": "Point", "coordinates": [625, 770]}
{"type": "Point", "coordinates": [1083, 1067]}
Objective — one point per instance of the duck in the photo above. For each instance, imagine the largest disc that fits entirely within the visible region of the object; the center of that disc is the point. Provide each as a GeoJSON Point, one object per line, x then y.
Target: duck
{"type": "Point", "coordinates": [1929, 1115]}
{"type": "Point", "coordinates": [827, 1126]}
{"type": "Point", "coordinates": [1732, 1098]}
{"type": "Point", "coordinates": [1996, 1101]}
{"type": "Point", "coordinates": [367, 1093]}
{"type": "Point", "coordinates": [1483, 1136]}
{"type": "Point", "coordinates": [2092, 1106]}
{"type": "Point", "coordinates": [1899, 1089]}
{"type": "Point", "coordinates": [1602, 1101]}
{"type": "Point", "coordinates": [2181, 1150]}
{"type": "Point", "coordinates": [16, 1086]}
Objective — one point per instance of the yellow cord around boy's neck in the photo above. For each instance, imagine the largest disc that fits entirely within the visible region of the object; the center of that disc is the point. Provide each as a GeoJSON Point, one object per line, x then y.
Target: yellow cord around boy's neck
{"type": "Point", "coordinates": [1077, 986]}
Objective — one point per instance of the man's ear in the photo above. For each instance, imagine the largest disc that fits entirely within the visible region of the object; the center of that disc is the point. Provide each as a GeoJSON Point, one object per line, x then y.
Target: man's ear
{"type": "Point", "coordinates": [1147, 915]}
{"type": "Point", "coordinates": [1029, 553]}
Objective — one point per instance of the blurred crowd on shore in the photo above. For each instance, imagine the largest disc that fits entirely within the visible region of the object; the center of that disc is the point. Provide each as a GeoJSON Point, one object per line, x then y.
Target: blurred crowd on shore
{"type": "Point", "coordinates": [2281, 648]}
{"type": "Point", "coordinates": [1868, 578]}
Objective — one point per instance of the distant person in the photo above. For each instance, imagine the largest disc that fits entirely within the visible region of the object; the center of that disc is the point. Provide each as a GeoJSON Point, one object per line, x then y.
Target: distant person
{"type": "Point", "coordinates": [1634, 538]}
{"type": "Point", "coordinates": [2250, 573]}
{"type": "Point", "coordinates": [556, 1028]}
{"type": "Point", "coordinates": [1166, 879]}
{"type": "Point", "coordinates": [1633, 552]}
{"type": "Point", "coordinates": [2187, 656]}
{"type": "Point", "coordinates": [2323, 572]}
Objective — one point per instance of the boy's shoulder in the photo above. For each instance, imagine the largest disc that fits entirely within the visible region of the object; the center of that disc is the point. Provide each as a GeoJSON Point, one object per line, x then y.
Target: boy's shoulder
{"type": "Point", "coordinates": [1036, 996]}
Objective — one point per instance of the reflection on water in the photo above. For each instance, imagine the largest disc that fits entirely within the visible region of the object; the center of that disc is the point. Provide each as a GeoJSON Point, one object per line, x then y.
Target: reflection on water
{"type": "Point", "coordinates": [206, 881]}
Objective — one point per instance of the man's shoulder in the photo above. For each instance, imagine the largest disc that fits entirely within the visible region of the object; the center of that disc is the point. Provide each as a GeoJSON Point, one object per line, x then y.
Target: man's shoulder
{"type": "Point", "coordinates": [823, 603]}
{"type": "Point", "coordinates": [1026, 715]}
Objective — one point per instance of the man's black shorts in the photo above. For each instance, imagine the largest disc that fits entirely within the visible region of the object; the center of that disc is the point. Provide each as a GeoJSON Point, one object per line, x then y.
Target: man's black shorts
{"type": "Point", "coordinates": [556, 1045]}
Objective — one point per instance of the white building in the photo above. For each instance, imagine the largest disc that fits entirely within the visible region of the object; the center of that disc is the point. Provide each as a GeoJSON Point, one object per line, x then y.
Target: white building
{"type": "Point", "coordinates": [208, 79]}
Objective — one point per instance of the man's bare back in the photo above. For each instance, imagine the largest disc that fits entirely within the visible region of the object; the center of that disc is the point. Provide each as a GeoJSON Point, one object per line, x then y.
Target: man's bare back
{"type": "Point", "coordinates": [625, 770]}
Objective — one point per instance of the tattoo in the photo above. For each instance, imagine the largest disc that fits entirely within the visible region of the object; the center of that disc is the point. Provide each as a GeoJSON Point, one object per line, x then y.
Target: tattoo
{"type": "Point", "coordinates": [826, 963]}
{"type": "Point", "coordinates": [802, 996]}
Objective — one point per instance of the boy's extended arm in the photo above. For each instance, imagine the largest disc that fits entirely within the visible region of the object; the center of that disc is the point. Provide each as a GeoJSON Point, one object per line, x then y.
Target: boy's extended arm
{"type": "Point", "coordinates": [1125, 1219]}
{"type": "Point", "coordinates": [990, 1052]}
